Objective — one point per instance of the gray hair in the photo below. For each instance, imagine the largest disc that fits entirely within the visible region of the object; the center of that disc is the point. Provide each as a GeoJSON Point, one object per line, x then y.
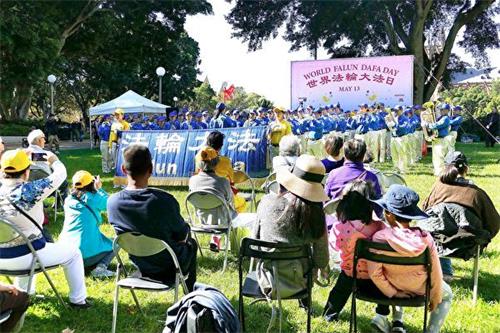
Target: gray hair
{"type": "Point", "coordinates": [207, 166]}
{"type": "Point", "coordinates": [289, 146]}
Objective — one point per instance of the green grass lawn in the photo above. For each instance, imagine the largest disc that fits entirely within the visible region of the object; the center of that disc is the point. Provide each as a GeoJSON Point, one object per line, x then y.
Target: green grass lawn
{"type": "Point", "coordinates": [46, 315]}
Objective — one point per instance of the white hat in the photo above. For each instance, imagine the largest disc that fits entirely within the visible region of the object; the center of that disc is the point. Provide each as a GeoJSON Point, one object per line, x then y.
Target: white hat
{"type": "Point", "coordinates": [34, 135]}
{"type": "Point", "coordinates": [304, 178]}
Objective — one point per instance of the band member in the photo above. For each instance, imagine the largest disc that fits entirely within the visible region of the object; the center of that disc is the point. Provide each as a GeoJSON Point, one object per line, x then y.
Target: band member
{"type": "Point", "coordinates": [118, 125]}
{"type": "Point", "coordinates": [277, 129]}
{"type": "Point", "coordinates": [399, 126]}
{"type": "Point", "coordinates": [455, 121]}
{"type": "Point", "coordinates": [440, 145]}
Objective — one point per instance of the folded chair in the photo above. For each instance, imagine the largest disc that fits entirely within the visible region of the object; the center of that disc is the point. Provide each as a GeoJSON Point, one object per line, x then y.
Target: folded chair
{"type": "Point", "coordinates": [8, 232]}
{"type": "Point", "coordinates": [260, 250]}
{"type": "Point", "coordinates": [370, 251]}
{"type": "Point", "coordinates": [138, 245]}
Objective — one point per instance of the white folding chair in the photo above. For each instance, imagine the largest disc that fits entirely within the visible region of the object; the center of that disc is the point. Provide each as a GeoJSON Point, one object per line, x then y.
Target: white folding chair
{"type": "Point", "coordinates": [8, 232]}
{"type": "Point", "coordinates": [269, 179]}
{"type": "Point", "coordinates": [138, 245]}
{"type": "Point", "coordinates": [205, 201]}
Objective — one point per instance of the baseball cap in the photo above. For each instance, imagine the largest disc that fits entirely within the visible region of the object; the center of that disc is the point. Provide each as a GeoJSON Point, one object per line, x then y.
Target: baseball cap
{"type": "Point", "coordinates": [172, 114]}
{"type": "Point", "coordinates": [363, 105]}
{"type": "Point", "coordinates": [119, 111]}
{"type": "Point", "coordinates": [14, 161]}
{"type": "Point", "coordinates": [456, 158]}
{"type": "Point", "coordinates": [445, 106]}
{"type": "Point", "coordinates": [401, 201]}
{"type": "Point", "coordinates": [279, 109]}
{"type": "Point", "coordinates": [82, 178]}
{"type": "Point", "coordinates": [457, 108]}
{"type": "Point", "coordinates": [220, 106]}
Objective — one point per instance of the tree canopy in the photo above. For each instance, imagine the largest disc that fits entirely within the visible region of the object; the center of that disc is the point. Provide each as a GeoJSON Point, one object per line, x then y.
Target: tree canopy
{"type": "Point", "coordinates": [426, 29]}
{"type": "Point", "coordinates": [96, 48]}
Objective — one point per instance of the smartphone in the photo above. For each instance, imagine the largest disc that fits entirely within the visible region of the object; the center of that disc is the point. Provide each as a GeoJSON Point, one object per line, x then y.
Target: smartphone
{"type": "Point", "coordinates": [36, 157]}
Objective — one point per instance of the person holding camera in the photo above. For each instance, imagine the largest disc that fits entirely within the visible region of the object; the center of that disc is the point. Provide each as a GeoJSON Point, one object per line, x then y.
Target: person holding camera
{"type": "Point", "coordinates": [82, 218]}
{"type": "Point", "coordinates": [21, 201]}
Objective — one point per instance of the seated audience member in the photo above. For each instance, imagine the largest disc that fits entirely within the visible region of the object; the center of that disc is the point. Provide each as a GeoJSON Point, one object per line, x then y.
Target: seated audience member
{"type": "Point", "coordinates": [36, 141]}
{"type": "Point", "coordinates": [400, 209]}
{"type": "Point", "coordinates": [16, 301]}
{"type": "Point", "coordinates": [452, 186]}
{"type": "Point", "coordinates": [353, 168]}
{"type": "Point", "coordinates": [82, 218]}
{"type": "Point", "coordinates": [294, 216]}
{"type": "Point", "coordinates": [224, 167]}
{"type": "Point", "coordinates": [289, 151]}
{"type": "Point", "coordinates": [208, 180]}
{"type": "Point", "coordinates": [22, 202]}
{"type": "Point", "coordinates": [354, 215]}
{"type": "Point", "coordinates": [153, 213]}
{"type": "Point", "coordinates": [334, 151]}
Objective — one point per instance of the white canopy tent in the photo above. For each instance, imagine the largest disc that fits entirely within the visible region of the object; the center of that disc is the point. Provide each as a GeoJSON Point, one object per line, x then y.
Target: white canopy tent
{"type": "Point", "coordinates": [130, 102]}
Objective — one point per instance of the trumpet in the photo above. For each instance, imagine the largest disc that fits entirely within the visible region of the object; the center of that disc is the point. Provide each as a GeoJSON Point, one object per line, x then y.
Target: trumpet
{"type": "Point", "coordinates": [428, 116]}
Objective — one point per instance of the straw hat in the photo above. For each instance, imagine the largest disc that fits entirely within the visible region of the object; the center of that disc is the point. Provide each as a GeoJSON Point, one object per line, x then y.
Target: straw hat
{"type": "Point", "coordinates": [304, 178]}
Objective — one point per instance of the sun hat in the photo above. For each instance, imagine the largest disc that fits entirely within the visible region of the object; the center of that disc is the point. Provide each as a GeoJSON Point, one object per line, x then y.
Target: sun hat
{"type": "Point", "coordinates": [401, 201]}
{"type": "Point", "coordinates": [304, 178]}
{"type": "Point", "coordinates": [34, 135]}
{"type": "Point", "coordinates": [82, 178]}
{"type": "Point", "coordinates": [456, 158]}
{"type": "Point", "coordinates": [14, 161]}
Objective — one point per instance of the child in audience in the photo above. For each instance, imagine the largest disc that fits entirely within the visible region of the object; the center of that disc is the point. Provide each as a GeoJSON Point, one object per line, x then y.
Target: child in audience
{"type": "Point", "coordinates": [82, 218]}
{"type": "Point", "coordinates": [335, 152]}
{"type": "Point", "coordinates": [400, 208]}
{"type": "Point", "coordinates": [354, 214]}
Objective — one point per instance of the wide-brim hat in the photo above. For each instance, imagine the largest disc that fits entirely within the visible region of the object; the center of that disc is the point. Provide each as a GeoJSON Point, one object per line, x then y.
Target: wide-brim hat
{"type": "Point", "coordinates": [304, 178]}
{"type": "Point", "coordinates": [401, 201]}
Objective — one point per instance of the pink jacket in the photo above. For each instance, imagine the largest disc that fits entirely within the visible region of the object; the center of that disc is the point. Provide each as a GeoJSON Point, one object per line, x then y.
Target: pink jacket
{"type": "Point", "coordinates": [405, 281]}
{"type": "Point", "coordinates": [346, 235]}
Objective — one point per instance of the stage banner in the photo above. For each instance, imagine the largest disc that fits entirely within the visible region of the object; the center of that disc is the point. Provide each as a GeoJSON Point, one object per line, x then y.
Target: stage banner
{"type": "Point", "coordinates": [173, 152]}
{"type": "Point", "coordinates": [352, 81]}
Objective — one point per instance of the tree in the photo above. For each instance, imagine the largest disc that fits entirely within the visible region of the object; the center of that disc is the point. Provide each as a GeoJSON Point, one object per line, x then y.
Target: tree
{"type": "Point", "coordinates": [375, 27]}
{"type": "Point", "coordinates": [203, 97]}
{"type": "Point", "coordinates": [39, 38]}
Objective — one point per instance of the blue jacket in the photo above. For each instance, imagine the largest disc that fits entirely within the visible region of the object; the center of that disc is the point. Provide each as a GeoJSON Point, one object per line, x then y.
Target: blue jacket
{"type": "Point", "coordinates": [81, 227]}
{"type": "Point", "coordinates": [104, 131]}
{"type": "Point", "coordinates": [202, 125]}
{"type": "Point", "coordinates": [455, 122]}
{"type": "Point", "coordinates": [402, 127]}
{"type": "Point", "coordinates": [341, 124]}
{"type": "Point", "coordinates": [219, 122]}
{"type": "Point", "coordinates": [442, 126]}
{"type": "Point", "coordinates": [316, 129]}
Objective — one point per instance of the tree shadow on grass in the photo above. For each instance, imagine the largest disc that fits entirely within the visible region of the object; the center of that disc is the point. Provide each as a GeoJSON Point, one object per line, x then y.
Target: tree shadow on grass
{"type": "Point", "coordinates": [487, 284]}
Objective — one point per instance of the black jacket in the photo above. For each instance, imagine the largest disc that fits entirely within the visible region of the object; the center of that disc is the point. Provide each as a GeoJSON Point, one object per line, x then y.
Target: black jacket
{"type": "Point", "coordinates": [179, 315]}
{"type": "Point", "coordinates": [455, 229]}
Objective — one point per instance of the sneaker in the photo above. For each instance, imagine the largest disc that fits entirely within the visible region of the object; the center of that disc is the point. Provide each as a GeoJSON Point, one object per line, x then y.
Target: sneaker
{"type": "Point", "coordinates": [215, 244]}
{"type": "Point", "coordinates": [330, 316]}
{"type": "Point", "coordinates": [101, 272]}
{"type": "Point", "coordinates": [381, 324]}
{"type": "Point", "coordinates": [83, 306]}
{"type": "Point", "coordinates": [398, 327]}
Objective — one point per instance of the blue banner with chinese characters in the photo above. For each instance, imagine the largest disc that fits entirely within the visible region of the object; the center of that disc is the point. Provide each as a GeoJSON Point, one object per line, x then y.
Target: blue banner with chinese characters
{"type": "Point", "coordinates": [173, 152]}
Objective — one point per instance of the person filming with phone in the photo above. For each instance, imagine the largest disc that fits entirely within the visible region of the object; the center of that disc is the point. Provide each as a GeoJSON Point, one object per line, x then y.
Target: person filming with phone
{"type": "Point", "coordinates": [82, 218]}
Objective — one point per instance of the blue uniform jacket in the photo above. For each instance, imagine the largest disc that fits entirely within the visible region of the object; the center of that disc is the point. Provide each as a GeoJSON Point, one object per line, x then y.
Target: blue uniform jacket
{"type": "Point", "coordinates": [442, 126]}
{"type": "Point", "coordinates": [455, 122]}
{"type": "Point", "coordinates": [104, 131]}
